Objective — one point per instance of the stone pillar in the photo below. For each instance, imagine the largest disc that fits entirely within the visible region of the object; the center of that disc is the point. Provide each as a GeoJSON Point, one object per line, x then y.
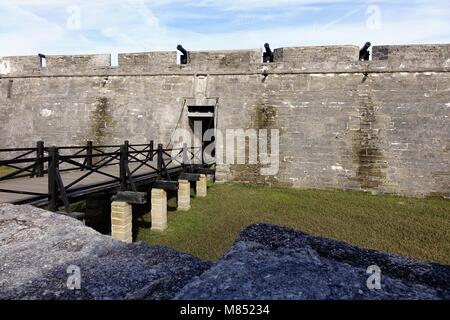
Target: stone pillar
{"type": "Point", "coordinates": [122, 221]}
{"type": "Point", "coordinates": [202, 186]}
{"type": "Point", "coordinates": [223, 174]}
{"type": "Point", "coordinates": [159, 210]}
{"type": "Point", "coordinates": [184, 195]}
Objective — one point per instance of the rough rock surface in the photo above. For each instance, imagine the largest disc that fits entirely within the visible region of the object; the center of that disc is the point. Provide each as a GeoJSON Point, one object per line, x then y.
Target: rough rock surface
{"type": "Point", "coordinates": [37, 247]}
{"type": "Point", "coordinates": [270, 262]}
{"type": "Point", "coordinates": [266, 262]}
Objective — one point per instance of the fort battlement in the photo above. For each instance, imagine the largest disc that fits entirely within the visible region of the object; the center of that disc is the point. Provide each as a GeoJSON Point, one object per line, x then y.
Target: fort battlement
{"type": "Point", "coordinates": [301, 59]}
{"type": "Point", "coordinates": [381, 125]}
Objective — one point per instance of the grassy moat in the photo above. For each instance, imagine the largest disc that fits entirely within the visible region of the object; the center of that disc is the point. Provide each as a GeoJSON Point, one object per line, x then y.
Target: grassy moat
{"type": "Point", "coordinates": [418, 228]}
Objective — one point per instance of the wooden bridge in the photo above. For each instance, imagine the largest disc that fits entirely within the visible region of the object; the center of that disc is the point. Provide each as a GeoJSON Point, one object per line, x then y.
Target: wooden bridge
{"type": "Point", "coordinates": [58, 176]}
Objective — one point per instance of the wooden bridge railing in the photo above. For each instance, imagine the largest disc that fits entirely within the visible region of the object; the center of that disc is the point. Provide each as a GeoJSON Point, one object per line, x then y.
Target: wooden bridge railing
{"type": "Point", "coordinates": [90, 160]}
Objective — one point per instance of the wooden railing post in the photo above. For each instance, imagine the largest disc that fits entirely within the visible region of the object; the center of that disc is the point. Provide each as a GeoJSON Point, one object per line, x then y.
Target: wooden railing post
{"type": "Point", "coordinates": [53, 165]}
{"type": "Point", "coordinates": [123, 166]}
{"type": "Point", "coordinates": [160, 161]}
{"type": "Point", "coordinates": [89, 153]}
{"type": "Point", "coordinates": [152, 147]}
{"type": "Point", "coordinates": [40, 159]}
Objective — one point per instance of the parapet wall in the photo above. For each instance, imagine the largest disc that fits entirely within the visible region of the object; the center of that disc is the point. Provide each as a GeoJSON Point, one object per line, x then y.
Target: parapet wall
{"type": "Point", "coordinates": [404, 57]}
{"type": "Point", "coordinates": [381, 126]}
{"type": "Point", "coordinates": [18, 65]}
{"type": "Point", "coordinates": [83, 63]}
{"type": "Point", "coordinates": [216, 60]}
{"type": "Point", "coordinates": [147, 61]}
{"type": "Point", "coordinates": [313, 59]}
{"type": "Point", "coordinates": [325, 57]}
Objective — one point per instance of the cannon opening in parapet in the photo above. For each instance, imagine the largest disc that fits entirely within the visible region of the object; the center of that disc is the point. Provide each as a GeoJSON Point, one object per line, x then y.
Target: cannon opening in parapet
{"type": "Point", "coordinates": [184, 58]}
{"type": "Point", "coordinates": [268, 55]}
{"type": "Point", "coordinates": [42, 60]}
{"type": "Point", "coordinates": [364, 53]}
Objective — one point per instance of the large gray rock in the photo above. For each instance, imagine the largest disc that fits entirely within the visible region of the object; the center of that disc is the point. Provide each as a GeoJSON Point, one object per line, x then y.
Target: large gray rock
{"type": "Point", "coordinates": [270, 262]}
{"type": "Point", "coordinates": [37, 247]}
{"type": "Point", "coordinates": [266, 262]}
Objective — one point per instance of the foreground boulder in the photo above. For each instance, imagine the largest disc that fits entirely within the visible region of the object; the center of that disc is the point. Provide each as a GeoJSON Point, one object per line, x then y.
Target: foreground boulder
{"type": "Point", "coordinates": [37, 248]}
{"type": "Point", "coordinates": [270, 262]}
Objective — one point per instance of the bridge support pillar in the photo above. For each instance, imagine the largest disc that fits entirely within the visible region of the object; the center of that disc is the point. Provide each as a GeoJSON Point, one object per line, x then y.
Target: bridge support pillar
{"type": "Point", "coordinates": [184, 195]}
{"type": "Point", "coordinates": [201, 186]}
{"type": "Point", "coordinates": [121, 221]}
{"type": "Point", "coordinates": [159, 210]}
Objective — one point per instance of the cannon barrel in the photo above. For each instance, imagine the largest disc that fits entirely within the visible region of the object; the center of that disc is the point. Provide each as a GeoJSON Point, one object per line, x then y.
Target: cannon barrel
{"type": "Point", "coordinates": [184, 59]}
{"type": "Point", "coordinates": [42, 58]}
{"type": "Point", "coordinates": [364, 54]}
{"type": "Point", "coordinates": [181, 49]}
{"type": "Point", "coordinates": [268, 55]}
{"type": "Point", "coordinates": [367, 45]}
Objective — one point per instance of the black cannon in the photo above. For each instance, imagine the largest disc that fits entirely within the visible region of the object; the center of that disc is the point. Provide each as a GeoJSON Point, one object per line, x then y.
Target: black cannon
{"type": "Point", "coordinates": [185, 54]}
{"type": "Point", "coordinates": [364, 53]}
{"type": "Point", "coordinates": [42, 58]}
{"type": "Point", "coordinates": [268, 55]}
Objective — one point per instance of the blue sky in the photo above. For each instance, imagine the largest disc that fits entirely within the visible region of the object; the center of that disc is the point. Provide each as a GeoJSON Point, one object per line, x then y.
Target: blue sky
{"type": "Point", "coordinates": [112, 26]}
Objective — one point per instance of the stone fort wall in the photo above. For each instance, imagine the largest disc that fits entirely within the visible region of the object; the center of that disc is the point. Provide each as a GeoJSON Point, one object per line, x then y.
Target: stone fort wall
{"type": "Point", "coordinates": [379, 126]}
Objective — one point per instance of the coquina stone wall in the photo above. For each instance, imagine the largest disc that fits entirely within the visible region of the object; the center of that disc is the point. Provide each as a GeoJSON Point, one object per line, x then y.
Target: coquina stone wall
{"type": "Point", "coordinates": [381, 126]}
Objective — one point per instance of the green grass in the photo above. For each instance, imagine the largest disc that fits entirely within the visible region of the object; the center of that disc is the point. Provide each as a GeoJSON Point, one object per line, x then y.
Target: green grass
{"type": "Point", "coordinates": [418, 228]}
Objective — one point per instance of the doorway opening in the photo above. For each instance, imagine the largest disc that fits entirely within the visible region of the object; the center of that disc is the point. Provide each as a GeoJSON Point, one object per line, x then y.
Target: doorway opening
{"type": "Point", "coordinates": [202, 119]}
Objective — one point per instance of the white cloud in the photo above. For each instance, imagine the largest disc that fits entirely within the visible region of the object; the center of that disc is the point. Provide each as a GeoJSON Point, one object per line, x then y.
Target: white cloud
{"type": "Point", "coordinates": [23, 30]}
{"type": "Point", "coordinates": [243, 5]}
{"type": "Point", "coordinates": [28, 27]}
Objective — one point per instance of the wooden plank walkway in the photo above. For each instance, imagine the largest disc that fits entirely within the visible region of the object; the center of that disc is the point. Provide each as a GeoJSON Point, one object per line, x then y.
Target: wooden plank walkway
{"type": "Point", "coordinates": [40, 185]}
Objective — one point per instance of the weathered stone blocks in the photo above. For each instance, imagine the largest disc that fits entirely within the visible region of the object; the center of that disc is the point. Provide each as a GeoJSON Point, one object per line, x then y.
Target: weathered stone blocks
{"type": "Point", "coordinates": [317, 97]}
{"type": "Point", "coordinates": [159, 210]}
{"type": "Point", "coordinates": [122, 221]}
{"type": "Point", "coordinates": [184, 195]}
{"type": "Point", "coordinates": [202, 187]}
